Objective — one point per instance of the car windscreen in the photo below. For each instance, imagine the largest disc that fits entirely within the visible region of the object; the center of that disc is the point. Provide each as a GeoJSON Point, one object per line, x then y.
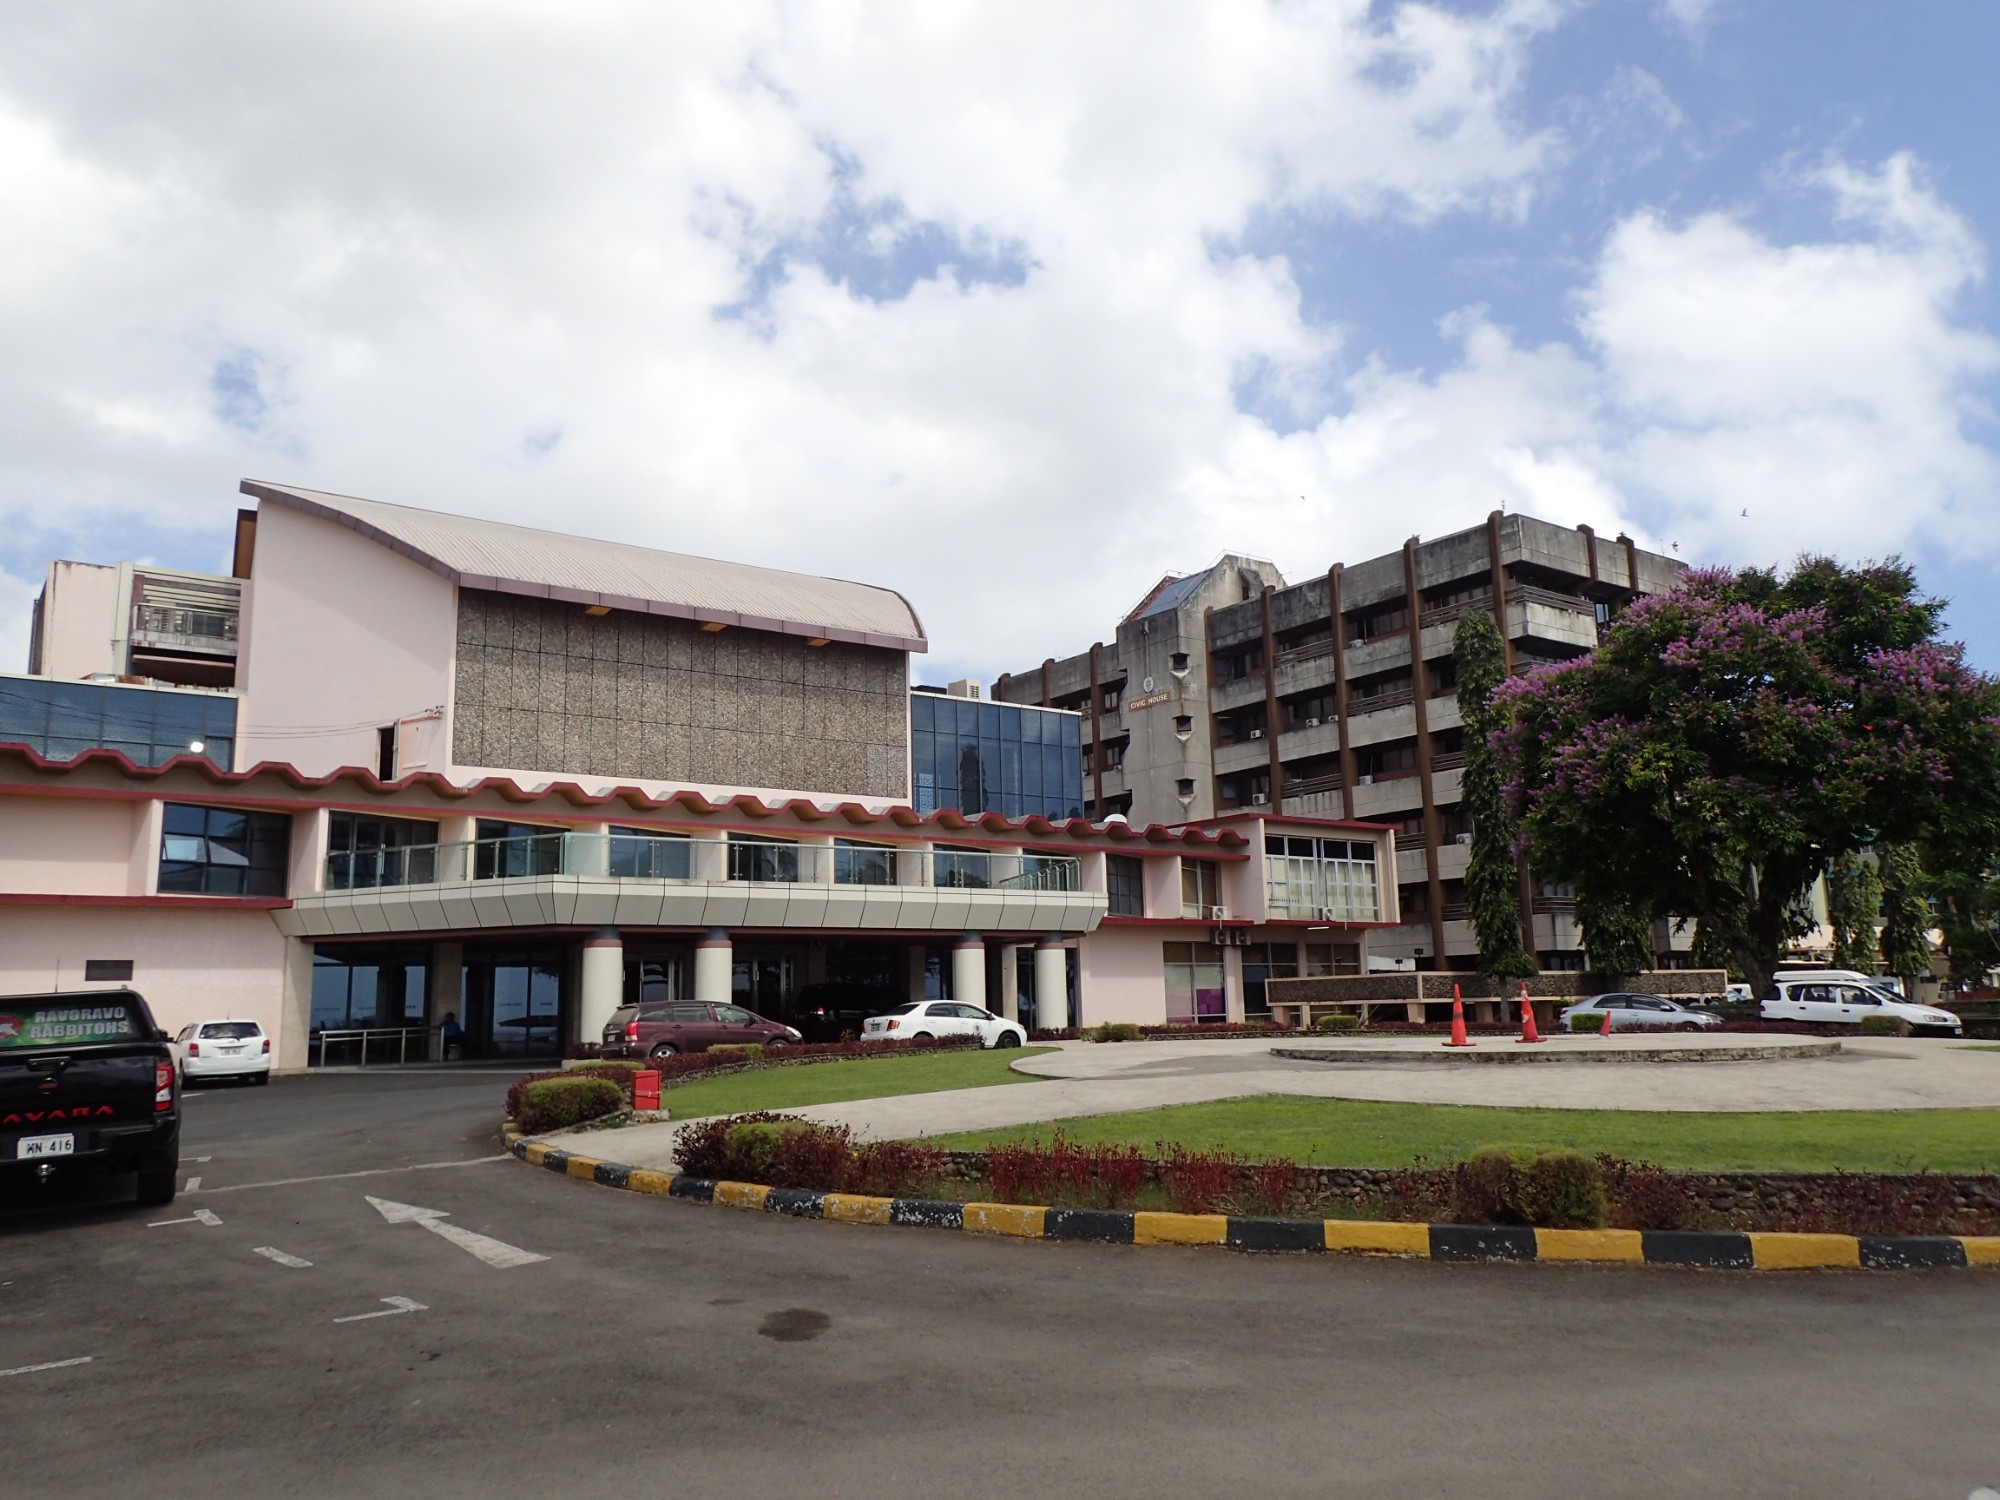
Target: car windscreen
{"type": "Point", "coordinates": [899, 1010]}
{"type": "Point", "coordinates": [231, 1031]}
{"type": "Point", "coordinates": [83, 1021]}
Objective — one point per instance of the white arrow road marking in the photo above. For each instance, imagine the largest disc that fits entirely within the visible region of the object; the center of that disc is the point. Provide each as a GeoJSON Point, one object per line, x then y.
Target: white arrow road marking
{"type": "Point", "coordinates": [199, 1216]}
{"type": "Point", "coordinates": [494, 1252]}
{"type": "Point", "coordinates": [204, 1158]}
{"type": "Point", "coordinates": [396, 1305]}
{"type": "Point", "coordinates": [194, 1185]}
{"type": "Point", "coordinates": [271, 1252]}
{"type": "Point", "coordinates": [54, 1364]}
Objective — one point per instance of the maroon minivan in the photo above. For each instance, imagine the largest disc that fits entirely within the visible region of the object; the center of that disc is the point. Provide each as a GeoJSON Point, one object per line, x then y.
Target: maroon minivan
{"type": "Point", "coordinates": [662, 1028]}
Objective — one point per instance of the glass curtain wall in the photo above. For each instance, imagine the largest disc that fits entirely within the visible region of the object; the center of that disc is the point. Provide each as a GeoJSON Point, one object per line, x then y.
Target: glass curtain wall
{"type": "Point", "coordinates": [1263, 962]}
{"type": "Point", "coordinates": [1328, 880]}
{"type": "Point", "coordinates": [363, 850]}
{"type": "Point", "coordinates": [149, 726]}
{"type": "Point", "coordinates": [977, 756]}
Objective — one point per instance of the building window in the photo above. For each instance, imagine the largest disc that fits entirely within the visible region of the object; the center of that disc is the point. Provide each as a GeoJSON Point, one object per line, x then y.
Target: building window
{"type": "Point", "coordinates": [355, 990]}
{"type": "Point", "coordinates": [648, 854]}
{"type": "Point", "coordinates": [1184, 787]}
{"type": "Point", "coordinates": [1332, 958]}
{"type": "Point", "coordinates": [1184, 724]}
{"type": "Point", "coordinates": [769, 861]}
{"type": "Point", "coordinates": [148, 726]}
{"type": "Point", "coordinates": [218, 851]}
{"type": "Point", "coordinates": [979, 756]}
{"type": "Point", "coordinates": [970, 869]}
{"type": "Point", "coordinates": [855, 863]}
{"type": "Point", "coordinates": [107, 971]}
{"type": "Point", "coordinates": [363, 850]}
{"type": "Point", "coordinates": [1178, 662]}
{"type": "Point", "coordinates": [1323, 880]}
{"type": "Point", "coordinates": [1201, 888]}
{"type": "Point", "coordinates": [1125, 884]}
{"type": "Point", "coordinates": [506, 851]}
{"type": "Point", "coordinates": [1194, 984]}
{"type": "Point", "coordinates": [1263, 962]}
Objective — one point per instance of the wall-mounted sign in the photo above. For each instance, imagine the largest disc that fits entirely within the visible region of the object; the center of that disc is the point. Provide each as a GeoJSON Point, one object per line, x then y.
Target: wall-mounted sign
{"type": "Point", "coordinates": [1151, 700]}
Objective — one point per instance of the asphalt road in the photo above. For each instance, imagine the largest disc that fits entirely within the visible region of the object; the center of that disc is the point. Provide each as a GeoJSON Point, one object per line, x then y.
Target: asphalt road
{"type": "Point", "coordinates": [675, 1349]}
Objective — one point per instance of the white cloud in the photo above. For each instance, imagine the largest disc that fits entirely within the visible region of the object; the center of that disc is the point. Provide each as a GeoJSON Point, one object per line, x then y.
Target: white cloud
{"type": "Point", "coordinates": [387, 251]}
{"type": "Point", "coordinates": [1743, 398]}
{"type": "Point", "coordinates": [473, 263]}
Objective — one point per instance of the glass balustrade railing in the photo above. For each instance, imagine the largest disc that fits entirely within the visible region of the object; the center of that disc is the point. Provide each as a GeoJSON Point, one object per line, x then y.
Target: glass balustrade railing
{"type": "Point", "coordinates": [630, 857]}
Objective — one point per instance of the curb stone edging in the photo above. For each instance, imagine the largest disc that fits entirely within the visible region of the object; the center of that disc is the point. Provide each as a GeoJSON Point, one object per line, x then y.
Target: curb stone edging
{"type": "Point", "coordinates": [1722, 1250]}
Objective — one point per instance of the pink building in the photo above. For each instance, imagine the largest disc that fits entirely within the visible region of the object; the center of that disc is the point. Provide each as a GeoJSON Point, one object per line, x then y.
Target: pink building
{"type": "Point", "coordinates": [524, 778]}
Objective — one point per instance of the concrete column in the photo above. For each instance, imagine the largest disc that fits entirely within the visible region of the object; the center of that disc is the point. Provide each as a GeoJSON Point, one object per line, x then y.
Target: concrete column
{"type": "Point", "coordinates": [1010, 982]}
{"type": "Point", "coordinates": [447, 990]}
{"type": "Point", "coordinates": [1051, 984]}
{"type": "Point", "coordinates": [1232, 984]}
{"type": "Point", "coordinates": [916, 969]}
{"type": "Point", "coordinates": [587, 852]}
{"type": "Point", "coordinates": [603, 986]}
{"type": "Point", "coordinates": [714, 967]}
{"type": "Point", "coordinates": [968, 970]}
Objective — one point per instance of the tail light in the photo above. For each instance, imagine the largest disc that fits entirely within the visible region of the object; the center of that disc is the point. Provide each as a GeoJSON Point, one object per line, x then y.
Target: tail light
{"type": "Point", "coordinates": [631, 1031]}
{"type": "Point", "coordinates": [194, 1049]}
{"type": "Point", "coordinates": [267, 1045]}
{"type": "Point", "coordinates": [163, 1086]}
{"type": "Point", "coordinates": [893, 1025]}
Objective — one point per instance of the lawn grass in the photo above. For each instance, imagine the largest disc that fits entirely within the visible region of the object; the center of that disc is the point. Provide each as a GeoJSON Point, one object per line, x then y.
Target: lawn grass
{"type": "Point", "coordinates": [841, 1079]}
{"type": "Point", "coordinates": [1352, 1133]}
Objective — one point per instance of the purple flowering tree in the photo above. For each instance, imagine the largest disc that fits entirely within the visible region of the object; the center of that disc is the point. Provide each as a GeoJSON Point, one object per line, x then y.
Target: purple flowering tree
{"type": "Point", "coordinates": [1727, 740]}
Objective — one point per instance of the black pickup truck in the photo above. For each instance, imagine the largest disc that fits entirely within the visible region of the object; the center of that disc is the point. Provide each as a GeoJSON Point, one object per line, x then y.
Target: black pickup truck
{"type": "Point", "coordinates": [86, 1084]}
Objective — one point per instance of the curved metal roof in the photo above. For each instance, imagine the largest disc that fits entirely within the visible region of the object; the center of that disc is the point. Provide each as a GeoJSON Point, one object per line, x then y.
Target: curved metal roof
{"type": "Point", "coordinates": [548, 564]}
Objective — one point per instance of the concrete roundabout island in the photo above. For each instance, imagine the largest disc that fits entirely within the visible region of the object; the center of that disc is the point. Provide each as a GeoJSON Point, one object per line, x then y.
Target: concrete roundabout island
{"type": "Point", "coordinates": [1673, 1047]}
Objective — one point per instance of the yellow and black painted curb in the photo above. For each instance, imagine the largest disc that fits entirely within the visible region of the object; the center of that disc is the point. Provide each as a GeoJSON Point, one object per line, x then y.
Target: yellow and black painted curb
{"type": "Point", "coordinates": [1729, 1250]}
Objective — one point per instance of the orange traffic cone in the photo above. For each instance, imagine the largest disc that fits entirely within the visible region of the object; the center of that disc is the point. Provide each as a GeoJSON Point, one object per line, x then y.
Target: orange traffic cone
{"type": "Point", "coordinates": [1528, 1031]}
{"type": "Point", "coordinates": [1458, 1036]}
{"type": "Point", "coordinates": [1605, 1029]}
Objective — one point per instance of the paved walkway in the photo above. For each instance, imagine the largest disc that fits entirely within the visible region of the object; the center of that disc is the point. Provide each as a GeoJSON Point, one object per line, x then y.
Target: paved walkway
{"type": "Point", "coordinates": [1092, 1079]}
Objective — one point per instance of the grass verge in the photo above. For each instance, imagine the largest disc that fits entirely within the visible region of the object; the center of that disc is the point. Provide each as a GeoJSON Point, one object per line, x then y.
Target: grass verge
{"type": "Point", "coordinates": [1353, 1133]}
{"type": "Point", "coordinates": [842, 1079]}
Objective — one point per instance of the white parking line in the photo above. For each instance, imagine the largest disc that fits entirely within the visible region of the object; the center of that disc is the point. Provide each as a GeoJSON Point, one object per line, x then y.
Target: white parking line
{"type": "Point", "coordinates": [199, 1216]}
{"type": "Point", "coordinates": [204, 1158]}
{"type": "Point", "coordinates": [422, 1166]}
{"type": "Point", "coordinates": [396, 1305]}
{"type": "Point", "coordinates": [271, 1252]}
{"type": "Point", "coordinates": [193, 1185]}
{"type": "Point", "coordinates": [54, 1364]}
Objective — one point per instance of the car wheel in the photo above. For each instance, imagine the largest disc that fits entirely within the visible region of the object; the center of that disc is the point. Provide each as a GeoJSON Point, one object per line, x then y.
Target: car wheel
{"type": "Point", "coordinates": [775, 1043]}
{"type": "Point", "coordinates": [261, 1079]}
{"type": "Point", "coordinates": [923, 1036]}
{"type": "Point", "coordinates": [158, 1185]}
{"type": "Point", "coordinates": [1690, 1026]}
{"type": "Point", "coordinates": [1008, 1039]}
{"type": "Point", "coordinates": [663, 1051]}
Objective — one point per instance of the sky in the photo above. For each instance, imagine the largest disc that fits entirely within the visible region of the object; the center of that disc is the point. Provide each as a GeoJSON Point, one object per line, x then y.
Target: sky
{"type": "Point", "coordinates": [1011, 307]}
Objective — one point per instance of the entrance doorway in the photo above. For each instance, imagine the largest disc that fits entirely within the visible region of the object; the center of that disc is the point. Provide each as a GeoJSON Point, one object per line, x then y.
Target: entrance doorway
{"type": "Point", "coordinates": [516, 1002]}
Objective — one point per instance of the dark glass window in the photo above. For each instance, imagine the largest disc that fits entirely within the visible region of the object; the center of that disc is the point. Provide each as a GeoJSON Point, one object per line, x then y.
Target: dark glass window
{"type": "Point", "coordinates": [1125, 881]}
{"type": "Point", "coordinates": [149, 726]}
{"type": "Point", "coordinates": [505, 850]}
{"type": "Point", "coordinates": [365, 850]}
{"type": "Point", "coordinates": [221, 851]}
{"type": "Point", "coordinates": [978, 756]}
{"type": "Point", "coordinates": [649, 854]}
{"type": "Point", "coordinates": [762, 859]}
{"type": "Point", "coordinates": [863, 864]}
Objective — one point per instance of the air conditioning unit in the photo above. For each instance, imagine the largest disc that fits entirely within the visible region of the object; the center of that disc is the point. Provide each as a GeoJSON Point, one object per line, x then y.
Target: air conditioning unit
{"type": "Point", "coordinates": [1364, 781]}
{"type": "Point", "coordinates": [1256, 734]}
{"type": "Point", "coordinates": [1260, 799]}
{"type": "Point", "coordinates": [1465, 838]}
{"type": "Point", "coordinates": [1218, 914]}
{"type": "Point", "coordinates": [1312, 723]}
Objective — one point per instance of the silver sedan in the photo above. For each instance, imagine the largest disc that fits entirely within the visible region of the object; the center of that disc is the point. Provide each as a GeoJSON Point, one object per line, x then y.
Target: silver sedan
{"type": "Point", "coordinates": [1630, 1012]}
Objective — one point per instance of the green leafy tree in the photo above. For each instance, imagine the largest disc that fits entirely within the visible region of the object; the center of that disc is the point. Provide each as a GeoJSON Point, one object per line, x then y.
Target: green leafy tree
{"type": "Point", "coordinates": [1906, 916]}
{"type": "Point", "coordinates": [1617, 938]}
{"type": "Point", "coordinates": [1968, 914]}
{"type": "Point", "coordinates": [1853, 898]}
{"type": "Point", "coordinates": [1493, 871]}
{"type": "Point", "coordinates": [1730, 739]}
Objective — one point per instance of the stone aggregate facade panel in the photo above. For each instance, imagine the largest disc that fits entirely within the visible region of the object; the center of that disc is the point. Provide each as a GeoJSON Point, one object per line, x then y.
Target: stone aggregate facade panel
{"type": "Point", "coordinates": [542, 686]}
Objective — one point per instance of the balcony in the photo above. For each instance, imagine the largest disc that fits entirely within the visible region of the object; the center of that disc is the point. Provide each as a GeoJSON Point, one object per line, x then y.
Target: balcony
{"type": "Point", "coordinates": [203, 631]}
{"type": "Point", "coordinates": [592, 880]}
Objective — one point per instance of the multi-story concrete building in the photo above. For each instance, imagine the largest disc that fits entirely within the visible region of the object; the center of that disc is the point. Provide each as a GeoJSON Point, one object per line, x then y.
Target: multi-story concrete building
{"type": "Point", "coordinates": [524, 777]}
{"type": "Point", "coordinates": [1334, 697]}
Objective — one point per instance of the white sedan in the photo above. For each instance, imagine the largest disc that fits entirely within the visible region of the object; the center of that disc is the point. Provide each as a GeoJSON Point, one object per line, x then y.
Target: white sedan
{"type": "Point", "coordinates": [223, 1049]}
{"type": "Point", "coordinates": [941, 1018]}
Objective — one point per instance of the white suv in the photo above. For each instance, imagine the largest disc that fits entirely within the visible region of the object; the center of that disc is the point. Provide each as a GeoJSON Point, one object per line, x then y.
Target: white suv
{"type": "Point", "coordinates": [223, 1049]}
{"type": "Point", "coordinates": [1830, 1002]}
